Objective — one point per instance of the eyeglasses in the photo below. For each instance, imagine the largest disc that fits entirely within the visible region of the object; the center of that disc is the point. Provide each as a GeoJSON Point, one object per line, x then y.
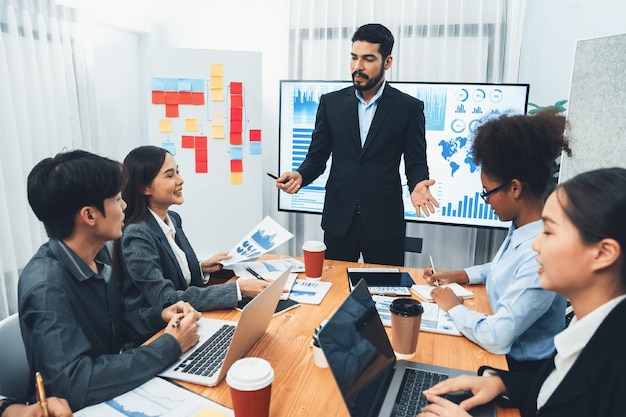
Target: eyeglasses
{"type": "Point", "coordinates": [486, 194]}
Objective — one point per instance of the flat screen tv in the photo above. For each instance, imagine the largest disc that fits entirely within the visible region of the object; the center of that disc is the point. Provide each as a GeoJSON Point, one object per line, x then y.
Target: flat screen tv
{"type": "Point", "coordinates": [453, 111]}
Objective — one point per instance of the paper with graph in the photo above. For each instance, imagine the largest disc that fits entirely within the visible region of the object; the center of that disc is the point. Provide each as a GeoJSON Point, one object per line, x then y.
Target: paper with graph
{"type": "Point", "coordinates": [264, 237]}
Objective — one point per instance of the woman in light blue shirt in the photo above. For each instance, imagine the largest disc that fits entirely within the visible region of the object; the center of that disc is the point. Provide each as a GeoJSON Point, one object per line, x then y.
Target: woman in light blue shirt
{"type": "Point", "coordinates": [516, 155]}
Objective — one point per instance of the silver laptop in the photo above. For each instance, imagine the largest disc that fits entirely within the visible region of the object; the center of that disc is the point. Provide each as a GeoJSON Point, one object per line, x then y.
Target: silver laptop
{"type": "Point", "coordinates": [222, 342]}
{"type": "Point", "coordinates": [372, 382]}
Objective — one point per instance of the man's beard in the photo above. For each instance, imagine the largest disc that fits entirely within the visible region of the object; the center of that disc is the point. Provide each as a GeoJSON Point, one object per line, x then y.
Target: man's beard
{"type": "Point", "coordinates": [371, 83]}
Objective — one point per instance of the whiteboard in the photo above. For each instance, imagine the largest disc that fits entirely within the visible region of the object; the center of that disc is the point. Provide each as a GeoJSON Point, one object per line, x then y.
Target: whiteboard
{"type": "Point", "coordinates": [216, 213]}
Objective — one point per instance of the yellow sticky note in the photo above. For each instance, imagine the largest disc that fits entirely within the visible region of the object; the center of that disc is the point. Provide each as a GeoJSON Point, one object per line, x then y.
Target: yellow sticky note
{"type": "Point", "coordinates": [165, 126]}
{"type": "Point", "coordinates": [236, 177]}
{"type": "Point", "coordinates": [217, 132]}
{"type": "Point", "coordinates": [209, 412]}
{"type": "Point", "coordinates": [217, 119]}
{"type": "Point", "coordinates": [217, 69]}
{"type": "Point", "coordinates": [191, 125]}
{"type": "Point", "coordinates": [217, 95]}
{"type": "Point", "coordinates": [217, 82]}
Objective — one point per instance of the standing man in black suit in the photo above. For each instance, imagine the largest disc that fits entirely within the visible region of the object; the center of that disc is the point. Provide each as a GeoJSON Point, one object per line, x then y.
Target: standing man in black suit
{"type": "Point", "coordinates": [367, 127]}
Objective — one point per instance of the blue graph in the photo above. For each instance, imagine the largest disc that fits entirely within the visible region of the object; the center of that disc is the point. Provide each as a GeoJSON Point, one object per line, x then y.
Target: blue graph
{"type": "Point", "coordinates": [434, 107]}
{"type": "Point", "coordinates": [469, 208]}
{"type": "Point", "coordinates": [305, 104]}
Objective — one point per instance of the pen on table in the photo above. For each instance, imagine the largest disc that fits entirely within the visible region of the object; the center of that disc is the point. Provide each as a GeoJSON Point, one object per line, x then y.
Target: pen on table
{"type": "Point", "coordinates": [256, 274]}
{"type": "Point", "coordinates": [432, 264]}
{"type": "Point", "coordinates": [41, 394]}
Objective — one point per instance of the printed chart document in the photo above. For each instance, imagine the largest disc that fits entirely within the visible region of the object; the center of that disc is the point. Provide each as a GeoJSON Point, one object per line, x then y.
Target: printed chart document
{"type": "Point", "coordinates": [309, 292]}
{"type": "Point", "coordinates": [423, 291]}
{"type": "Point", "coordinates": [291, 279]}
{"type": "Point", "coordinates": [434, 319]}
{"type": "Point", "coordinates": [264, 237]}
{"type": "Point", "coordinates": [266, 267]}
{"type": "Point", "coordinates": [157, 398]}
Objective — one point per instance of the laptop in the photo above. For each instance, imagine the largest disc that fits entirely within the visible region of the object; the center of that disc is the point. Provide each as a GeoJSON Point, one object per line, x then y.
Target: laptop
{"type": "Point", "coordinates": [372, 382]}
{"type": "Point", "coordinates": [222, 342]}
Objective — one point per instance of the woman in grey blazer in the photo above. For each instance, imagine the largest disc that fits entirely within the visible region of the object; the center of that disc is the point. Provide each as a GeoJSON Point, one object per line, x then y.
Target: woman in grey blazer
{"type": "Point", "coordinates": [580, 255]}
{"type": "Point", "coordinates": [156, 261]}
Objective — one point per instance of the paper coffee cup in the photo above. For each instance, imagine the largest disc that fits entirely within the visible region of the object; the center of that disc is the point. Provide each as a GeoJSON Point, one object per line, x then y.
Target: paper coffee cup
{"type": "Point", "coordinates": [406, 317]}
{"type": "Point", "coordinates": [250, 381]}
{"type": "Point", "coordinates": [314, 252]}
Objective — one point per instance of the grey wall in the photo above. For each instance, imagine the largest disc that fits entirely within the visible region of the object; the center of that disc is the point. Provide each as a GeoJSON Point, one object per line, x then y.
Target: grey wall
{"type": "Point", "coordinates": [597, 106]}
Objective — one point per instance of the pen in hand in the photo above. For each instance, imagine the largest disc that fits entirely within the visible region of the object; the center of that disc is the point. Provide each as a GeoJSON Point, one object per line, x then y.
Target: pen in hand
{"type": "Point", "coordinates": [432, 264]}
{"type": "Point", "coordinates": [41, 394]}
{"type": "Point", "coordinates": [256, 274]}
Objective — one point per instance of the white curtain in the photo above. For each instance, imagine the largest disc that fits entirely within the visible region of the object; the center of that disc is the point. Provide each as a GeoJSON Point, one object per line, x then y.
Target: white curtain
{"type": "Point", "coordinates": [45, 107]}
{"type": "Point", "coordinates": [435, 40]}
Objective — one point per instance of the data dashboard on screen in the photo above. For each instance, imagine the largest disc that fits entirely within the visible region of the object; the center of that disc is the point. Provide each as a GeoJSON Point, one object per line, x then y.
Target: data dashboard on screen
{"type": "Point", "coordinates": [453, 111]}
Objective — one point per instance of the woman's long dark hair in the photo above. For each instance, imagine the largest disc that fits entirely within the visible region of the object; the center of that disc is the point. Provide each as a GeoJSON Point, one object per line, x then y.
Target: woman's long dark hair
{"type": "Point", "coordinates": [140, 168]}
{"type": "Point", "coordinates": [595, 202]}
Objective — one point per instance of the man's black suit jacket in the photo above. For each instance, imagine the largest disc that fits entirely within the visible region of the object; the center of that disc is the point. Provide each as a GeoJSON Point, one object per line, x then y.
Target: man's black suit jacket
{"type": "Point", "coordinates": [367, 175]}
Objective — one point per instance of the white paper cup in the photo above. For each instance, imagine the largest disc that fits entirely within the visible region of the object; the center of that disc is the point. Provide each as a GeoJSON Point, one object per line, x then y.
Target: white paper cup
{"type": "Point", "coordinates": [250, 381]}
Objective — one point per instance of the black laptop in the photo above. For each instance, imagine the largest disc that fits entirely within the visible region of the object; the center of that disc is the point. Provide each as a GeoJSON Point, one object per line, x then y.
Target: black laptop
{"type": "Point", "coordinates": [372, 382]}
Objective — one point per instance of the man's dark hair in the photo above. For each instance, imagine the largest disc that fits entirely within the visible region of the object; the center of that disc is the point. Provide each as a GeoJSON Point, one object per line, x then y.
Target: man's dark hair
{"type": "Point", "coordinates": [375, 33]}
{"type": "Point", "coordinates": [58, 188]}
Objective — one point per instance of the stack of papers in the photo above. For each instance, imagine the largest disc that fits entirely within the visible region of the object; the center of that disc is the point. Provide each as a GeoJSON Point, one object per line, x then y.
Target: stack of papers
{"type": "Point", "coordinates": [423, 291]}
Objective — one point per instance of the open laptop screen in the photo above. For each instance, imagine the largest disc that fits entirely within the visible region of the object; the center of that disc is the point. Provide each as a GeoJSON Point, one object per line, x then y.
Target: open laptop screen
{"type": "Point", "coordinates": [359, 353]}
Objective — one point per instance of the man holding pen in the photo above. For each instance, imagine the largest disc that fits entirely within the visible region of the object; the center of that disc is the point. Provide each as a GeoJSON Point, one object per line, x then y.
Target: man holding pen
{"type": "Point", "coordinates": [71, 312]}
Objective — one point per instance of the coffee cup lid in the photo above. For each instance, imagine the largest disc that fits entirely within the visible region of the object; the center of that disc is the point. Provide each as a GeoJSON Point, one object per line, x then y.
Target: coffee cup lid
{"type": "Point", "coordinates": [407, 307]}
{"type": "Point", "coordinates": [314, 246]}
{"type": "Point", "coordinates": [250, 374]}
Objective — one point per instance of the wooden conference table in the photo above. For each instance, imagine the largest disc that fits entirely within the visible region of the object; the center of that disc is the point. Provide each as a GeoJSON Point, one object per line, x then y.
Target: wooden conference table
{"type": "Point", "coordinates": [302, 389]}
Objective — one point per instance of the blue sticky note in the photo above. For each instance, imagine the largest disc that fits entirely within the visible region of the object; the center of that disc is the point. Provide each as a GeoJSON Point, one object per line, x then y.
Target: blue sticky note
{"type": "Point", "coordinates": [158, 84]}
{"type": "Point", "coordinates": [255, 148]}
{"type": "Point", "coordinates": [171, 84]}
{"type": "Point", "coordinates": [236, 152]}
{"type": "Point", "coordinates": [184, 84]}
{"type": "Point", "coordinates": [170, 147]}
{"type": "Point", "coordinates": [197, 85]}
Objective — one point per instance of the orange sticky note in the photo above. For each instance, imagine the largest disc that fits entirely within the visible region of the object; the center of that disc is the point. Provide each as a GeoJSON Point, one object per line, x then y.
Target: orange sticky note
{"type": "Point", "coordinates": [171, 110]}
{"type": "Point", "coordinates": [255, 135]}
{"type": "Point", "coordinates": [236, 88]}
{"type": "Point", "coordinates": [201, 142]}
{"type": "Point", "coordinates": [187, 142]}
{"type": "Point", "coordinates": [236, 165]}
{"type": "Point", "coordinates": [158, 97]}
{"type": "Point", "coordinates": [236, 138]}
{"type": "Point", "coordinates": [197, 99]}
{"type": "Point", "coordinates": [171, 97]}
{"type": "Point", "coordinates": [236, 100]}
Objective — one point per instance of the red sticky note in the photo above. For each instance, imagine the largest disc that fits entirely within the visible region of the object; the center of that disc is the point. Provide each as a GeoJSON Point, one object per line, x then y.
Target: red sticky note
{"type": "Point", "coordinates": [255, 135]}
{"type": "Point", "coordinates": [236, 165]}
{"type": "Point", "coordinates": [197, 99]}
{"type": "Point", "coordinates": [201, 142]}
{"type": "Point", "coordinates": [202, 167]}
{"type": "Point", "coordinates": [236, 100]}
{"type": "Point", "coordinates": [158, 97]}
{"type": "Point", "coordinates": [236, 126]}
{"type": "Point", "coordinates": [171, 110]}
{"type": "Point", "coordinates": [202, 155]}
{"type": "Point", "coordinates": [188, 142]}
{"type": "Point", "coordinates": [236, 88]}
{"type": "Point", "coordinates": [184, 97]}
{"type": "Point", "coordinates": [171, 97]}
{"type": "Point", "coordinates": [236, 114]}
{"type": "Point", "coordinates": [236, 138]}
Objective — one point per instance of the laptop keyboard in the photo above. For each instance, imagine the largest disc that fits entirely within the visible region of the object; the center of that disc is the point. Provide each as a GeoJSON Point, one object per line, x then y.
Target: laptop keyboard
{"type": "Point", "coordinates": [208, 358]}
{"type": "Point", "coordinates": [410, 399]}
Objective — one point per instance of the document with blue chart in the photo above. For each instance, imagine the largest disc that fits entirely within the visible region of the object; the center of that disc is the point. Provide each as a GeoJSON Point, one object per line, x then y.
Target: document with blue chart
{"type": "Point", "coordinates": [453, 111]}
{"type": "Point", "coordinates": [264, 237]}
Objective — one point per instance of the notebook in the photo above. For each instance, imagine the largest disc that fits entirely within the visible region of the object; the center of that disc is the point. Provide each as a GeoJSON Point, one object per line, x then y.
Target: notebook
{"type": "Point", "coordinates": [222, 342]}
{"type": "Point", "coordinates": [423, 291]}
{"type": "Point", "coordinates": [370, 379]}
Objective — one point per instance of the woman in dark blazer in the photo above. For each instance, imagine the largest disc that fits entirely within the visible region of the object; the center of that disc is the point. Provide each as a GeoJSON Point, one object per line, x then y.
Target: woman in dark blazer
{"type": "Point", "coordinates": [581, 255]}
{"type": "Point", "coordinates": [157, 263]}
